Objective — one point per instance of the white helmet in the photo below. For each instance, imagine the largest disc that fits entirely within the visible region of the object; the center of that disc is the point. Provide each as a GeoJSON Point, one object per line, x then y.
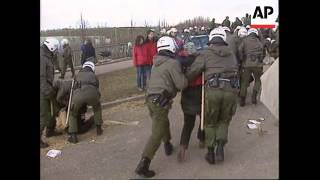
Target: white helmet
{"type": "Point", "coordinates": [167, 43]}
{"type": "Point", "coordinates": [253, 30]}
{"type": "Point", "coordinates": [186, 30]}
{"type": "Point", "coordinates": [52, 44]}
{"type": "Point", "coordinates": [195, 27]}
{"type": "Point", "coordinates": [218, 32]}
{"type": "Point", "coordinates": [64, 42]}
{"type": "Point", "coordinates": [226, 28]}
{"type": "Point", "coordinates": [248, 26]}
{"type": "Point", "coordinates": [202, 28]}
{"type": "Point", "coordinates": [242, 32]}
{"type": "Point", "coordinates": [89, 64]}
{"type": "Point", "coordinates": [190, 28]}
{"type": "Point", "coordinates": [268, 39]}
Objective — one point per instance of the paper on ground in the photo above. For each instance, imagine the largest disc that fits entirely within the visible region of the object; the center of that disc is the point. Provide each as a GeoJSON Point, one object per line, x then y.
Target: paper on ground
{"type": "Point", "coordinates": [254, 122]}
{"type": "Point", "coordinates": [53, 153]}
{"type": "Point", "coordinates": [252, 126]}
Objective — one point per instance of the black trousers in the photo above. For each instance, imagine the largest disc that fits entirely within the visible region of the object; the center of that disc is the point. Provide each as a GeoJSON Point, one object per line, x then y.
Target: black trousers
{"type": "Point", "coordinates": [188, 126]}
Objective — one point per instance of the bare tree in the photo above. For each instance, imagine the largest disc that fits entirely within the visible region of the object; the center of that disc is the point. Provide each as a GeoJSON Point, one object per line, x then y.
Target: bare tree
{"type": "Point", "coordinates": [83, 27]}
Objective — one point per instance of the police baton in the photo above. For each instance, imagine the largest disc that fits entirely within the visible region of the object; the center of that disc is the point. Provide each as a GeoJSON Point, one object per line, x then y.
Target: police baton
{"type": "Point", "coordinates": [202, 110]}
{"type": "Point", "coordinates": [69, 104]}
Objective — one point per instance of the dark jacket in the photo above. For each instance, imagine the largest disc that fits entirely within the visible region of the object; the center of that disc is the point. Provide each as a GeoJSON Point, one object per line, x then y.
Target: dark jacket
{"type": "Point", "coordinates": [46, 72]}
{"type": "Point", "coordinates": [67, 53]}
{"type": "Point", "coordinates": [87, 52]}
{"type": "Point", "coordinates": [226, 23]}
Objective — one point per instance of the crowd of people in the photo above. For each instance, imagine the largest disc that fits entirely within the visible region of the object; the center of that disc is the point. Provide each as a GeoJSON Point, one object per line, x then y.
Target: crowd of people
{"type": "Point", "coordinates": [210, 81]}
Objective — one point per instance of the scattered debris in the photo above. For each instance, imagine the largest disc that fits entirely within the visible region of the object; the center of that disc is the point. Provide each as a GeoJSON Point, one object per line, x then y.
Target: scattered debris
{"type": "Point", "coordinates": [53, 153]}
{"type": "Point", "coordinates": [254, 122]}
{"type": "Point", "coordinates": [252, 126]}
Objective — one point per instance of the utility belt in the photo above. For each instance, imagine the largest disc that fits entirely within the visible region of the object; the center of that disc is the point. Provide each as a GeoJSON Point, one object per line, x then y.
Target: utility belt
{"type": "Point", "coordinates": [258, 58]}
{"type": "Point", "coordinates": [159, 99]}
{"type": "Point", "coordinates": [216, 81]}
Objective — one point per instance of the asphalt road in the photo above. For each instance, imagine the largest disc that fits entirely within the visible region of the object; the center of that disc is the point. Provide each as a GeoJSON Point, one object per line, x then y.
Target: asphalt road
{"type": "Point", "coordinates": [115, 154]}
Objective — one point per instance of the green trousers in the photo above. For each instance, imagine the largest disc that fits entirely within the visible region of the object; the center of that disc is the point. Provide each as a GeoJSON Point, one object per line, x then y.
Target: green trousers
{"type": "Point", "coordinates": [160, 129]}
{"type": "Point", "coordinates": [245, 78]}
{"type": "Point", "coordinates": [67, 62]}
{"type": "Point", "coordinates": [86, 95]}
{"type": "Point", "coordinates": [220, 106]}
{"type": "Point", "coordinates": [48, 111]}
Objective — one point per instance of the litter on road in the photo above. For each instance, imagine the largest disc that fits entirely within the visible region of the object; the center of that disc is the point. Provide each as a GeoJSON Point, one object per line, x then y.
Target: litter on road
{"type": "Point", "coordinates": [53, 153]}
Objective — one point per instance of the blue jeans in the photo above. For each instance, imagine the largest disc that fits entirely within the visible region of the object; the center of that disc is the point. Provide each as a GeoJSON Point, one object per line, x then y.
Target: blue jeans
{"type": "Point", "coordinates": [142, 76]}
{"type": "Point", "coordinates": [148, 71]}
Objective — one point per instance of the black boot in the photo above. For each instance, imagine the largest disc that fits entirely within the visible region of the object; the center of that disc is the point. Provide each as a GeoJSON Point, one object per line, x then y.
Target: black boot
{"type": "Point", "coordinates": [168, 148]}
{"type": "Point", "coordinates": [99, 130]}
{"type": "Point", "coordinates": [143, 168]}
{"type": "Point", "coordinates": [254, 97]}
{"type": "Point", "coordinates": [242, 101]}
{"type": "Point", "coordinates": [51, 132]}
{"type": "Point", "coordinates": [220, 151]}
{"type": "Point", "coordinates": [210, 156]}
{"type": "Point", "coordinates": [73, 138]}
{"type": "Point", "coordinates": [43, 144]}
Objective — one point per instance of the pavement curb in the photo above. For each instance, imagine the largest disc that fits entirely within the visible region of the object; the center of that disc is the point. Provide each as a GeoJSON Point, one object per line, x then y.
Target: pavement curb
{"type": "Point", "coordinates": [119, 101]}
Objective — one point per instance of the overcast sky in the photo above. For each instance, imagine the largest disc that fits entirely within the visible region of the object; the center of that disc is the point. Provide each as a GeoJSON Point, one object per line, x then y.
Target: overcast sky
{"type": "Point", "coordinates": [116, 13]}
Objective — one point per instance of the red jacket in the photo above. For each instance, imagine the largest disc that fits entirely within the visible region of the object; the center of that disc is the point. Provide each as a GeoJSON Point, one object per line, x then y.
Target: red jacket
{"type": "Point", "coordinates": [151, 49]}
{"type": "Point", "coordinates": [139, 55]}
{"type": "Point", "coordinates": [196, 82]}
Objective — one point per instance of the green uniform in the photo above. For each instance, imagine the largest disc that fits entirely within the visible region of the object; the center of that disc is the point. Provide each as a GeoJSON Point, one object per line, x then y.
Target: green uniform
{"type": "Point", "coordinates": [165, 80]}
{"type": "Point", "coordinates": [56, 62]}
{"type": "Point", "coordinates": [67, 60]}
{"type": "Point", "coordinates": [251, 55]}
{"type": "Point", "coordinates": [47, 93]}
{"type": "Point", "coordinates": [86, 92]}
{"type": "Point", "coordinates": [220, 101]}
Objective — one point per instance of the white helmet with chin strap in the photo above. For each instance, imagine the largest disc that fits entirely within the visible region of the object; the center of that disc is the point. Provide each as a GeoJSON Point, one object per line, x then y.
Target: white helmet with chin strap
{"type": "Point", "coordinates": [218, 32]}
{"type": "Point", "coordinates": [253, 30]}
{"type": "Point", "coordinates": [64, 42]}
{"type": "Point", "coordinates": [89, 64]}
{"type": "Point", "coordinates": [52, 44]}
{"type": "Point", "coordinates": [167, 43]}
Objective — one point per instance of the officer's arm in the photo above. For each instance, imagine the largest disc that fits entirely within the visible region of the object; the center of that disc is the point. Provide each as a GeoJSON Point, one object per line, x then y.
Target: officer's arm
{"type": "Point", "coordinates": [178, 77]}
{"type": "Point", "coordinates": [64, 89]}
{"type": "Point", "coordinates": [45, 87]}
{"type": "Point", "coordinates": [196, 68]}
{"type": "Point", "coordinates": [241, 52]}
